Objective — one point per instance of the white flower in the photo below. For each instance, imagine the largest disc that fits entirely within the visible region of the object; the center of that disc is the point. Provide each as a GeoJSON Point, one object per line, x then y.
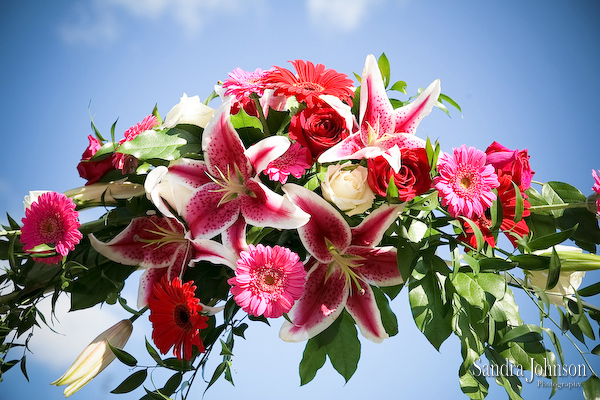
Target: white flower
{"type": "Point", "coordinates": [105, 193]}
{"type": "Point", "coordinates": [346, 186]}
{"type": "Point", "coordinates": [190, 110]}
{"type": "Point", "coordinates": [32, 197]}
{"type": "Point", "coordinates": [96, 356]}
{"type": "Point", "coordinates": [168, 190]}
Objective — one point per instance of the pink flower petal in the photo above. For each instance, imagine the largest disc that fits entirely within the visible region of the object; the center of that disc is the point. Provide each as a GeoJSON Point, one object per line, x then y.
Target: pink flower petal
{"type": "Point", "coordinates": [147, 281]}
{"type": "Point", "coordinates": [205, 217]}
{"type": "Point", "coordinates": [267, 208]}
{"type": "Point", "coordinates": [363, 308]}
{"type": "Point", "coordinates": [370, 231]}
{"type": "Point", "coordinates": [214, 252]}
{"type": "Point", "coordinates": [234, 237]}
{"type": "Point", "coordinates": [190, 172]}
{"type": "Point", "coordinates": [323, 301]}
{"type": "Point", "coordinates": [378, 265]}
{"type": "Point", "coordinates": [325, 225]}
{"type": "Point", "coordinates": [223, 148]}
{"type": "Point", "coordinates": [267, 150]}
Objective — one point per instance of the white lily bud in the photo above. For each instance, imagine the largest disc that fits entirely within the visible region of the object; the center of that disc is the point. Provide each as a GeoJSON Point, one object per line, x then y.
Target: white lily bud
{"type": "Point", "coordinates": [96, 356]}
{"type": "Point", "coordinates": [105, 193]}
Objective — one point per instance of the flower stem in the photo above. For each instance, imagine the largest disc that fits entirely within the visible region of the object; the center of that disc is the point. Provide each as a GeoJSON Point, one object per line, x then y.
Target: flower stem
{"type": "Point", "coordinates": [138, 314]}
{"type": "Point", "coordinates": [563, 206]}
{"type": "Point", "coordinates": [6, 233]}
{"type": "Point", "coordinates": [261, 115]}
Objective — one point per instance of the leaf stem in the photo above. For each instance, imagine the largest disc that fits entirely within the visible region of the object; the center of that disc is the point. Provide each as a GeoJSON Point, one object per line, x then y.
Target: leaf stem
{"type": "Point", "coordinates": [563, 206]}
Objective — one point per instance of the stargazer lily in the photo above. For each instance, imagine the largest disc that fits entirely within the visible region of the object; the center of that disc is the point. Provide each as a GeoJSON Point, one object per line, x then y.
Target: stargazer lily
{"type": "Point", "coordinates": [381, 127]}
{"type": "Point", "coordinates": [226, 183]}
{"type": "Point", "coordinates": [345, 263]}
{"type": "Point", "coordinates": [160, 246]}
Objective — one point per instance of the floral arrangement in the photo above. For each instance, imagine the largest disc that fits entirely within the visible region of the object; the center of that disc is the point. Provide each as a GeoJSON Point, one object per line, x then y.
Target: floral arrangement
{"type": "Point", "coordinates": [304, 197]}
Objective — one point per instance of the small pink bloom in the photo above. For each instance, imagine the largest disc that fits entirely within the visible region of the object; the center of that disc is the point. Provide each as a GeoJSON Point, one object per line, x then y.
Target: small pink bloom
{"type": "Point", "coordinates": [296, 160]}
{"type": "Point", "coordinates": [465, 182]}
{"type": "Point", "coordinates": [268, 280]}
{"type": "Point", "coordinates": [51, 220]}
{"type": "Point", "coordinates": [124, 162]}
{"type": "Point", "coordinates": [242, 83]}
{"type": "Point", "coordinates": [596, 187]}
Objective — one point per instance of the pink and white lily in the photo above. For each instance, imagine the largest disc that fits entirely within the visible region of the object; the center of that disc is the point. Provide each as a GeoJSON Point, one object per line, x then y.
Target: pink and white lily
{"type": "Point", "coordinates": [346, 262]}
{"type": "Point", "coordinates": [160, 246]}
{"type": "Point", "coordinates": [226, 183]}
{"type": "Point", "coordinates": [383, 129]}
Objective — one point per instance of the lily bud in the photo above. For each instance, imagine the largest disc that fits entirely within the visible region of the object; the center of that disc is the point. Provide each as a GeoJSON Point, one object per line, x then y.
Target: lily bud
{"type": "Point", "coordinates": [105, 193]}
{"type": "Point", "coordinates": [573, 258]}
{"type": "Point", "coordinates": [96, 356]}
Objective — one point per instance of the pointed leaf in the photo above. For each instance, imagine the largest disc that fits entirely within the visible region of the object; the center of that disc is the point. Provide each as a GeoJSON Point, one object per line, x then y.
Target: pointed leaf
{"type": "Point", "coordinates": [384, 67]}
{"type": "Point", "coordinates": [313, 359]}
{"type": "Point", "coordinates": [132, 382]}
{"type": "Point", "coordinates": [123, 356]}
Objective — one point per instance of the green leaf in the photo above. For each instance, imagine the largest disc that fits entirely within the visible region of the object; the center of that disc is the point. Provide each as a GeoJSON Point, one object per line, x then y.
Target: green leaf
{"type": "Point", "coordinates": [519, 207]}
{"type": "Point", "coordinates": [24, 368]}
{"type": "Point", "coordinates": [406, 256]}
{"type": "Point", "coordinates": [388, 318]}
{"type": "Point", "coordinates": [496, 264]}
{"type": "Point", "coordinates": [399, 86]}
{"type": "Point", "coordinates": [476, 232]}
{"type": "Point", "coordinates": [172, 384]}
{"type": "Point", "coordinates": [218, 372]}
{"type": "Point", "coordinates": [313, 359]}
{"type": "Point", "coordinates": [493, 284]}
{"type": "Point", "coordinates": [591, 388]}
{"type": "Point", "coordinates": [344, 351]}
{"type": "Point", "coordinates": [123, 356]}
{"type": "Point", "coordinates": [591, 290]}
{"type": "Point", "coordinates": [132, 382]}
{"type": "Point", "coordinates": [553, 270]}
{"type": "Point", "coordinates": [384, 67]}
{"type": "Point", "coordinates": [531, 262]}
{"type": "Point", "coordinates": [448, 100]}
{"type": "Point", "coordinates": [596, 350]}
{"type": "Point", "coordinates": [523, 333]}
{"type": "Point", "coordinates": [430, 310]}
{"type": "Point", "coordinates": [547, 241]}
{"type": "Point", "coordinates": [474, 385]}
{"type": "Point", "coordinates": [468, 288]}
{"type": "Point", "coordinates": [392, 190]}
{"type": "Point", "coordinates": [163, 145]}
{"type": "Point", "coordinates": [154, 354]}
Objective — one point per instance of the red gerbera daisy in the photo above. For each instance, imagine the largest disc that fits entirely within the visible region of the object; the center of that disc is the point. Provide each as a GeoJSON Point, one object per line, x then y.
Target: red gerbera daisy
{"type": "Point", "coordinates": [175, 316]}
{"type": "Point", "coordinates": [51, 220]}
{"type": "Point", "coordinates": [311, 82]}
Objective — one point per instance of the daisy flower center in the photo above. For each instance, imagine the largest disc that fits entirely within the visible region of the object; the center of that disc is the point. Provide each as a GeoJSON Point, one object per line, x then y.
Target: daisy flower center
{"type": "Point", "coordinates": [50, 229]}
{"type": "Point", "coordinates": [467, 182]}
{"type": "Point", "coordinates": [309, 86]}
{"type": "Point", "coordinates": [181, 316]}
{"type": "Point", "coordinates": [268, 280]}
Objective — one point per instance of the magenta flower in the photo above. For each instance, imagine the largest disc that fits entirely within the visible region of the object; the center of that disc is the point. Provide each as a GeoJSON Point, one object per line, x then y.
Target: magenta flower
{"type": "Point", "coordinates": [267, 280]}
{"type": "Point", "coordinates": [226, 183]}
{"type": "Point", "coordinates": [596, 187]}
{"type": "Point", "coordinates": [465, 182]}
{"type": "Point", "coordinates": [161, 247]}
{"type": "Point", "coordinates": [122, 161]}
{"type": "Point", "coordinates": [241, 84]}
{"type": "Point", "coordinates": [381, 126]}
{"type": "Point", "coordinates": [345, 263]}
{"type": "Point", "coordinates": [51, 220]}
{"type": "Point", "coordinates": [295, 161]}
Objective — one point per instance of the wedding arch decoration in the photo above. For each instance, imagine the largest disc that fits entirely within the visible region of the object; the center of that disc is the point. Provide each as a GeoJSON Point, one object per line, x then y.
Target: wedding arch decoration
{"type": "Point", "coordinates": [304, 196]}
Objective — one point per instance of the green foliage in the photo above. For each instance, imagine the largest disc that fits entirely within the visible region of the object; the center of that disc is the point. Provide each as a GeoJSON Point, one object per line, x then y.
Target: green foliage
{"type": "Point", "coordinates": [169, 145]}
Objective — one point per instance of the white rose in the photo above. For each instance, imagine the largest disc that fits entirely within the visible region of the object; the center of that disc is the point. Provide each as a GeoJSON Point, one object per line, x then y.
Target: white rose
{"type": "Point", "coordinates": [346, 186]}
{"type": "Point", "coordinates": [190, 110]}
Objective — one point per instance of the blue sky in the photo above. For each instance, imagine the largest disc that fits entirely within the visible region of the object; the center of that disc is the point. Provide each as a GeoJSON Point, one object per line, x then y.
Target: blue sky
{"type": "Point", "coordinates": [525, 74]}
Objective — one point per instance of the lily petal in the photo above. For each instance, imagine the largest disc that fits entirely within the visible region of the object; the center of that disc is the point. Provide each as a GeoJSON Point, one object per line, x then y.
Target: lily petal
{"type": "Point", "coordinates": [139, 244]}
{"type": "Point", "coordinates": [223, 148]}
{"type": "Point", "coordinates": [214, 252]}
{"type": "Point", "coordinates": [205, 217]}
{"type": "Point", "coordinates": [147, 281]}
{"type": "Point", "coordinates": [326, 225]}
{"type": "Point", "coordinates": [321, 303]}
{"type": "Point", "coordinates": [267, 208]}
{"type": "Point", "coordinates": [378, 265]}
{"type": "Point", "coordinates": [363, 308]}
{"type": "Point", "coordinates": [234, 237]}
{"type": "Point", "coordinates": [371, 230]}
{"type": "Point", "coordinates": [267, 150]}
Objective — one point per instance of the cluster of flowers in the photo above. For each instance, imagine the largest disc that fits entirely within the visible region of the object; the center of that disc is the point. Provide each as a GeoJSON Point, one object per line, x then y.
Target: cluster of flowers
{"type": "Point", "coordinates": [336, 170]}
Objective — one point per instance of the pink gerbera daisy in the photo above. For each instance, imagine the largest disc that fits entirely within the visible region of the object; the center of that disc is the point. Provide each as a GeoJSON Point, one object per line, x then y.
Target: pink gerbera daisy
{"type": "Point", "coordinates": [268, 280]}
{"type": "Point", "coordinates": [242, 83]}
{"type": "Point", "coordinates": [465, 182]}
{"type": "Point", "coordinates": [294, 161]}
{"type": "Point", "coordinates": [51, 220]}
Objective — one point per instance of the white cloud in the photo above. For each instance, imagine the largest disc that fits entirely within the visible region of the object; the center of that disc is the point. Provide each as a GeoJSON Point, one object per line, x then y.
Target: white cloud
{"type": "Point", "coordinates": [342, 15]}
{"type": "Point", "coordinates": [99, 20]}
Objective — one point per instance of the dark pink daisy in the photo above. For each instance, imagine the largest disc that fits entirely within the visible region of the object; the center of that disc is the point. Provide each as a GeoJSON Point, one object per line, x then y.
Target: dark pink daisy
{"type": "Point", "coordinates": [295, 161]}
{"type": "Point", "coordinates": [243, 83]}
{"type": "Point", "coordinates": [268, 280]}
{"type": "Point", "coordinates": [465, 182]}
{"type": "Point", "coordinates": [596, 187]}
{"type": "Point", "coordinates": [51, 220]}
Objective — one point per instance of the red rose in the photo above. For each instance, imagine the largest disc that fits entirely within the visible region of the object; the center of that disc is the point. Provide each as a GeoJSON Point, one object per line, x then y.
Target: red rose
{"type": "Point", "coordinates": [93, 170]}
{"type": "Point", "coordinates": [512, 162]}
{"type": "Point", "coordinates": [411, 180]}
{"type": "Point", "coordinates": [318, 128]}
